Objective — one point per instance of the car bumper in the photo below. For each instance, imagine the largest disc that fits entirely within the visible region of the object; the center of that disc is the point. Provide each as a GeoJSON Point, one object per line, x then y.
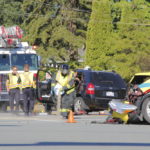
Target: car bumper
{"type": "Point", "coordinates": [97, 103]}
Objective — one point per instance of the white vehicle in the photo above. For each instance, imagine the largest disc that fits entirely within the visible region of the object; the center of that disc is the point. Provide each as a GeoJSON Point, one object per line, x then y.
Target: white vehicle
{"type": "Point", "coordinates": [14, 54]}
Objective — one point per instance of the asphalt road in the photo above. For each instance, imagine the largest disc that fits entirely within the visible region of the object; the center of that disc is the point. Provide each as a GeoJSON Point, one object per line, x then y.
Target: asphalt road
{"type": "Point", "coordinates": [51, 132]}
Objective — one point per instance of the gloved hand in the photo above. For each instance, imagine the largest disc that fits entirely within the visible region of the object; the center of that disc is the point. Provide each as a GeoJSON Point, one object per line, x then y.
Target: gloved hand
{"type": "Point", "coordinates": [65, 89]}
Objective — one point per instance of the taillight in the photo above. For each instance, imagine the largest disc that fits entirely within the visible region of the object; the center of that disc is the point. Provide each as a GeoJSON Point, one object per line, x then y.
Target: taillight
{"type": "Point", "coordinates": [35, 75]}
{"type": "Point", "coordinates": [40, 98]}
{"type": "Point", "coordinates": [90, 89]}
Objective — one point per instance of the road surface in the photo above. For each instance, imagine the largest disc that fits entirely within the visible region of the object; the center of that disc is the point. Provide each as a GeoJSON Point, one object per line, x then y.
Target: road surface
{"type": "Point", "coordinates": [49, 132]}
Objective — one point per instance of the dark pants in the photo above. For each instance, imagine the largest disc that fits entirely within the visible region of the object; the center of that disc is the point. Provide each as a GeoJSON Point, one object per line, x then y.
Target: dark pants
{"type": "Point", "coordinates": [67, 102]}
{"type": "Point", "coordinates": [14, 96]}
{"type": "Point", "coordinates": [28, 97]}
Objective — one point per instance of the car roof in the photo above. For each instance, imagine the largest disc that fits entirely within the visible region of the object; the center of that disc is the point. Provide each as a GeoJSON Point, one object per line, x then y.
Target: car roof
{"type": "Point", "coordinates": [142, 73]}
{"type": "Point", "coordinates": [139, 74]}
{"type": "Point", "coordinates": [106, 73]}
{"type": "Point", "coordinates": [82, 70]}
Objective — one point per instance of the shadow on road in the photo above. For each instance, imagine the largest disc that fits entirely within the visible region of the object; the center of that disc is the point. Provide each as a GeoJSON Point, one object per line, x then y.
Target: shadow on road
{"type": "Point", "coordinates": [79, 144]}
{"type": "Point", "coordinates": [5, 125]}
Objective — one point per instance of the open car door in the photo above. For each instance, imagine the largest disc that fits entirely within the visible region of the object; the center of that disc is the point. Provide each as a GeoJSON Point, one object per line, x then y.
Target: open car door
{"type": "Point", "coordinates": [43, 89]}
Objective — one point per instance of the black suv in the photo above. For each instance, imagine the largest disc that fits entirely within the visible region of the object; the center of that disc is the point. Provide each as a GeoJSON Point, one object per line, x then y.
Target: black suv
{"type": "Point", "coordinates": [97, 88]}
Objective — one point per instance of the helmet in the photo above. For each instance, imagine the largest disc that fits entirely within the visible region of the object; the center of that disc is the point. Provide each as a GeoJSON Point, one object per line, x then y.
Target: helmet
{"type": "Point", "coordinates": [64, 69]}
{"type": "Point", "coordinates": [65, 66]}
{"type": "Point", "coordinates": [87, 68]}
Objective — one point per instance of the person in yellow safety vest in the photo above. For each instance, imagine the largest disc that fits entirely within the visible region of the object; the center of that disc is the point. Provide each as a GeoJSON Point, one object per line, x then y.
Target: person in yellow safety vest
{"type": "Point", "coordinates": [13, 88]}
{"type": "Point", "coordinates": [65, 77]}
{"type": "Point", "coordinates": [28, 85]}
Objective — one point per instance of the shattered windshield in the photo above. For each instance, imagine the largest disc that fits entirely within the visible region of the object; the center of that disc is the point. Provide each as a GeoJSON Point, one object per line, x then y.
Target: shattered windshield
{"type": "Point", "coordinates": [140, 79]}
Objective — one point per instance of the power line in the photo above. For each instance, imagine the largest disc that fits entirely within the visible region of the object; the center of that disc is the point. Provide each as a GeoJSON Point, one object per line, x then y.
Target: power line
{"type": "Point", "coordinates": [125, 23]}
{"type": "Point", "coordinates": [65, 10]}
{"type": "Point", "coordinates": [74, 9]}
{"type": "Point", "coordinates": [75, 18]}
{"type": "Point", "coordinates": [95, 21]}
{"type": "Point", "coordinates": [79, 10]}
{"type": "Point", "coordinates": [31, 13]}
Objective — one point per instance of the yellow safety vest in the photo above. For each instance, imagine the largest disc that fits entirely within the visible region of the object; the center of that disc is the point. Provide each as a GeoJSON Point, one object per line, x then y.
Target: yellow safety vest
{"type": "Point", "coordinates": [13, 81]}
{"type": "Point", "coordinates": [27, 80]}
{"type": "Point", "coordinates": [61, 79]}
{"type": "Point", "coordinates": [64, 110]}
{"type": "Point", "coordinates": [64, 81]}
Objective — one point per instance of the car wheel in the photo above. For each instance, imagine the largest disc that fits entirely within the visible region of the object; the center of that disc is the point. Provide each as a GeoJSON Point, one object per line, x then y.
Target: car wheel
{"type": "Point", "coordinates": [79, 105]}
{"type": "Point", "coordinates": [146, 109]}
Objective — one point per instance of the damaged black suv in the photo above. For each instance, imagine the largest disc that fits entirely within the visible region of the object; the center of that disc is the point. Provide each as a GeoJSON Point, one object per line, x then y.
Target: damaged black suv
{"type": "Point", "coordinates": [97, 88]}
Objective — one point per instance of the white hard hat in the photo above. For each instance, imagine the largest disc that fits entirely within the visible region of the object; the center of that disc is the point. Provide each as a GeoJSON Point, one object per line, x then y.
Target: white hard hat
{"type": "Point", "coordinates": [87, 68]}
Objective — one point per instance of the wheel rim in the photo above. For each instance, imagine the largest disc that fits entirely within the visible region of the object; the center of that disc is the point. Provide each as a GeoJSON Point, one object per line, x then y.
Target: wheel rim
{"type": "Point", "coordinates": [77, 106]}
{"type": "Point", "coordinates": [148, 108]}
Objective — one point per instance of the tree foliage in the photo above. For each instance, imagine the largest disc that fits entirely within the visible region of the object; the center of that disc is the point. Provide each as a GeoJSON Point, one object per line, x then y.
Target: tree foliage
{"type": "Point", "coordinates": [99, 35]}
{"type": "Point", "coordinates": [57, 27]}
{"type": "Point", "coordinates": [9, 12]}
{"type": "Point", "coordinates": [119, 40]}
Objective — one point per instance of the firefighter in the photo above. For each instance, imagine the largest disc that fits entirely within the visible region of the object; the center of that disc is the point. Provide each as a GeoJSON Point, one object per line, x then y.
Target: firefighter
{"type": "Point", "coordinates": [13, 88]}
{"type": "Point", "coordinates": [28, 85]}
{"type": "Point", "coordinates": [65, 78]}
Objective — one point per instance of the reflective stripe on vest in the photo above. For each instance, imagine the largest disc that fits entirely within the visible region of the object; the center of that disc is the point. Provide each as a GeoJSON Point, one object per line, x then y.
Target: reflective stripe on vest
{"type": "Point", "coordinates": [27, 79]}
{"type": "Point", "coordinates": [64, 110]}
{"type": "Point", "coordinates": [13, 81]}
{"type": "Point", "coordinates": [71, 90]}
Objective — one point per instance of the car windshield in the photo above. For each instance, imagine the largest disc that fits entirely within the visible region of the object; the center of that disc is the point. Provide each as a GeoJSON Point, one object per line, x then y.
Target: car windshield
{"type": "Point", "coordinates": [139, 79]}
{"type": "Point", "coordinates": [4, 62]}
{"type": "Point", "coordinates": [107, 79]}
{"type": "Point", "coordinates": [20, 59]}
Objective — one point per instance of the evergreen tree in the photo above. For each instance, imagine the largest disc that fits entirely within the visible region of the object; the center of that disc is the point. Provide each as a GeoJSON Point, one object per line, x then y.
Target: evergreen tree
{"type": "Point", "coordinates": [127, 37]}
{"type": "Point", "coordinates": [99, 35]}
{"type": "Point", "coordinates": [11, 13]}
{"type": "Point", "coordinates": [132, 42]}
{"type": "Point", "coordinates": [58, 27]}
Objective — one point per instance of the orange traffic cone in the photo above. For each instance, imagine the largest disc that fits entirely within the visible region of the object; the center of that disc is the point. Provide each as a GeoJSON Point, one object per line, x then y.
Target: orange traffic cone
{"type": "Point", "coordinates": [71, 117]}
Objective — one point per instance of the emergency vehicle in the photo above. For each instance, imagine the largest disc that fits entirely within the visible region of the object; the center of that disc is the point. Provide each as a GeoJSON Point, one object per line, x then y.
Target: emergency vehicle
{"type": "Point", "coordinates": [13, 52]}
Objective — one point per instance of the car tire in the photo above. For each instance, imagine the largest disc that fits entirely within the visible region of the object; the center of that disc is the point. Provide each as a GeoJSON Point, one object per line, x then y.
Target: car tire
{"type": "Point", "coordinates": [79, 105]}
{"type": "Point", "coordinates": [146, 109]}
